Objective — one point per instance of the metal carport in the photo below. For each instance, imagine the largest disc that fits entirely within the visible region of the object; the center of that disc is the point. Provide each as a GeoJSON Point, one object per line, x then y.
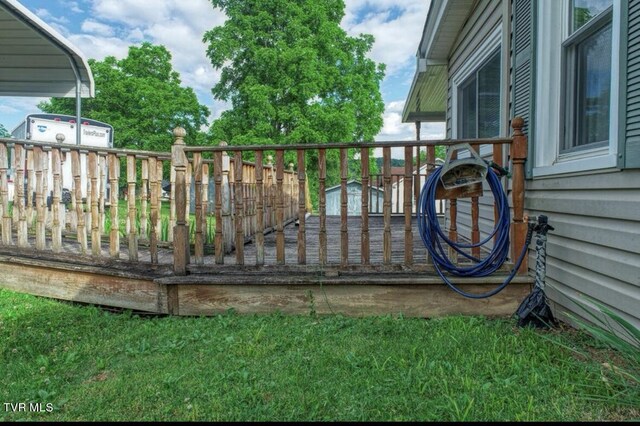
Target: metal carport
{"type": "Point", "coordinates": [35, 60]}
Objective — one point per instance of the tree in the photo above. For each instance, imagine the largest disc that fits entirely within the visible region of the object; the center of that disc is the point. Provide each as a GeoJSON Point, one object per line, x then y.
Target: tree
{"type": "Point", "coordinates": [141, 97]}
{"type": "Point", "coordinates": [292, 75]}
{"type": "Point", "coordinates": [3, 132]}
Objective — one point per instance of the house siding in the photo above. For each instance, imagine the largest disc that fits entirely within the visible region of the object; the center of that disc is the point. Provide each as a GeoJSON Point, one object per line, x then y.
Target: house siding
{"type": "Point", "coordinates": [595, 247]}
{"type": "Point", "coordinates": [483, 20]}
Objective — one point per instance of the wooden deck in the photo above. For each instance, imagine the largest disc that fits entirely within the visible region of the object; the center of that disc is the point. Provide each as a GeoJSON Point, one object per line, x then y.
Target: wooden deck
{"type": "Point", "coordinates": [62, 252]}
{"type": "Point", "coordinates": [209, 289]}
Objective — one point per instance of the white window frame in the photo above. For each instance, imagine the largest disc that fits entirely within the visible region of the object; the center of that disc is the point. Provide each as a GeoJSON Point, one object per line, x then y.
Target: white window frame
{"type": "Point", "coordinates": [471, 65]}
{"type": "Point", "coordinates": [553, 30]}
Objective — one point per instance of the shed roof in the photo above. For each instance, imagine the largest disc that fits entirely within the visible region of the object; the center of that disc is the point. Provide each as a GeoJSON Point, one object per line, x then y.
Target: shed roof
{"type": "Point", "coordinates": [35, 60]}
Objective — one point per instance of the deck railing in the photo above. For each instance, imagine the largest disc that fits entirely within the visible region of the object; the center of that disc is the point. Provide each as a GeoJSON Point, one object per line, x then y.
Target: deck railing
{"type": "Point", "coordinates": [249, 199]}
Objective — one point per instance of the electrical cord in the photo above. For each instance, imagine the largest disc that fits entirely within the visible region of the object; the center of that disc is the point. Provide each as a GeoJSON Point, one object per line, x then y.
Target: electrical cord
{"type": "Point", "coordinates": [436, 241]}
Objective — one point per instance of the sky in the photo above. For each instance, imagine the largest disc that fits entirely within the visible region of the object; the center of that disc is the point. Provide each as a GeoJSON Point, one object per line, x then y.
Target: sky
{"type": "Point", "coordinates": [101, 28]}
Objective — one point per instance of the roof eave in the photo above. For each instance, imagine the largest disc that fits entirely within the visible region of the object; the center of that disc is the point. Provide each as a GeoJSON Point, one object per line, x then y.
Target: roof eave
{"type": "Point", "coordinates": [77, 60]}
{"type": "Point", "coordinates": [426, 100]}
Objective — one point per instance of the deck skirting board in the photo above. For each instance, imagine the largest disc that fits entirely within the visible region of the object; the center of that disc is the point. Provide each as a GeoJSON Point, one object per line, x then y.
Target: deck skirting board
{"type": "Point", "coordinates": [414, 294]}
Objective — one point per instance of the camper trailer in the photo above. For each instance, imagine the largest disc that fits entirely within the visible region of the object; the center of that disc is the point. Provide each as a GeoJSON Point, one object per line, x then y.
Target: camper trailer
{"type": "Point", "coordinates": [45, 127]}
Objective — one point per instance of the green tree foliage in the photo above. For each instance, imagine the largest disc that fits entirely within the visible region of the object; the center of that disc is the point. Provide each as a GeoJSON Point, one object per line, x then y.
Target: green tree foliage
{"type": "Point", "coordinates": [293, 75]}
{"type": "Point", "coordinates": [3, 132]}
{"type": "Point", "coordinates": [141, 97]}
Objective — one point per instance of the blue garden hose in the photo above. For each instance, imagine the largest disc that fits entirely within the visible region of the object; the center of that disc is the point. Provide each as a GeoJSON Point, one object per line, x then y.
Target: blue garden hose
{"type": "Point", "coordinates": [433, 238]}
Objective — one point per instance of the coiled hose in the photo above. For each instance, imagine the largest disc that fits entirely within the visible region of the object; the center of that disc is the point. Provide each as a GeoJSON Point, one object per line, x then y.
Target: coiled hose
{"type": "Point", "coordinates": [437, 242]}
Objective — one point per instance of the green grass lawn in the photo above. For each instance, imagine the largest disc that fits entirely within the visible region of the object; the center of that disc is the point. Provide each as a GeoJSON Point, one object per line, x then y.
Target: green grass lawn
{"type": "Point", "coordinates": [94, 365]}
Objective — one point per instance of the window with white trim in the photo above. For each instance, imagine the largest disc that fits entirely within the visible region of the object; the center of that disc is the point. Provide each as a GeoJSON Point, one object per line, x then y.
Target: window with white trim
{"type": "Point", "coordinates": [577, 86]}
{"type": "Point", "coordinates": [479, 101]}
{"type": "Point", "coordinates": [477, 95]}
{"type": "Point", "coordinates": [587, 53]}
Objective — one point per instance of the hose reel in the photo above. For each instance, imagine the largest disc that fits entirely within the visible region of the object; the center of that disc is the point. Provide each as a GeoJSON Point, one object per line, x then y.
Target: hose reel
{"type": "Point", "coordinates": [462, 171]}
{"type": "Point", "coordinates": [461, 178]}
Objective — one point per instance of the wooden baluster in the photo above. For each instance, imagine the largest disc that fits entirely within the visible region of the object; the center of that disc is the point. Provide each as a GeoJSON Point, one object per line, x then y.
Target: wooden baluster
{"type": "Point", "coordinates": [199, 242]}
{"type": "Point", "coordinates": [188, 178]}
{"type": "Point", "coordinates": [159, 176]}
{"type": "Point", "coordinates": [322, 204]}
{"type": "Point", "coordinates": [302, 236]}
{"type": "Point", "coordinates": [102, 182]}
{"type": "Point", "coordinates": [217, 179]}
{"type": "Point", "coordinates": [95, 220]}
{"type": "Point", "coordinates": [7, 238]}
{"type": "Point", "coordinates": [397, 193]}
{"type": "Point", "coordinates": [45, 185]}
{"type": "Point", "coordinates": [38, 160]}
{"type": "Point", "coordinates": [519, 226]}
{"type": "Point", "coordinates": [239, 208]}
{"type": "Point", "coordinates": [431, 161]}
{"type": "Point", "coordinates": [292, 194]}
{"type": "Point", "coordinates": [172, 203]}
{"type": "Point", "coordinates": [131, 197]}
{"type": "Point", "coordinates": [259, 209]}
{"type": "Point", "coordinates": [344, 230]}
{"type": "Point", "coordinates": [453, 217]}
{"type": "Point", "coordinates": [77, 186]}
{"type": "Point", "coordinates": [269, 193]}
{"type": "Point", "coordinates": [246, 175]}
{"type": "Point", "coordinates": [56, 227]}
{"type": "Point", "coordinates": [181, 232]}
{"type": "Point", "coordinates": [365, 252]}
{"type": "Point", "coordinates": [228, 230]}
{"type": "Point", "coordinates": [475, 217]}
{"type": "Point", "coordinates": [205, 203]}
{"type": "Point", "coordinates": [280, 207]}
{"type": "Point", "coordinates": [30, 186]}
{"type": "Point", "coordinates": [144, 197]}
{"type": "Point", "coordinates": [154, 197]}
{"type": "Point", "coordinates": [19, 198]}
{"type": "Point", "coordinates": [416, 178]}
{"type": "Point", "coordinates": [498, 158]}
{"type": "Point", "coordinates": [377, 196]}
{"type": "Point", "coordinates": [408, 229]}
{"type": "Point", "coordinates": [386, 207]}
{"type": "Point", "coordinates": [114, 235]}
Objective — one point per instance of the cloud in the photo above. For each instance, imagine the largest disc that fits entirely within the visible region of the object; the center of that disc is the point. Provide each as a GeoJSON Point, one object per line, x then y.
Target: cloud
{"type": "Point", "coordinates": [93, 27]}
{"type": "Point", "coordinates": [395, 130]}
{"type": "Point", "coordinates": [71, 6]}
{"type": "Point", "coordinates": [111, 26]}
{"type": "Point", "coordinates": [99, 47]}
{"type": "Point", "coordinates": [396, 26]}
{"type": "Point", "coordinates": [176, 24]}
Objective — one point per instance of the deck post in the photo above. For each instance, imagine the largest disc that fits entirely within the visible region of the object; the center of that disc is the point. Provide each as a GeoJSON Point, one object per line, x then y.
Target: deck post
{"type": "Point", "coordinates": [181, 231]}
{"type": "Point", "coordinates": [519, 226]}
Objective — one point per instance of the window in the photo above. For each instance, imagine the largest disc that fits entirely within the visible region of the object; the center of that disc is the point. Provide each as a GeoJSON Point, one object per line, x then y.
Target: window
{"type": "Point", "coordinates": [479, 101]}
{"type": "Point", "coordinates": [588, 50]}
{"type": "Point", "coordinates": [577, 86]}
